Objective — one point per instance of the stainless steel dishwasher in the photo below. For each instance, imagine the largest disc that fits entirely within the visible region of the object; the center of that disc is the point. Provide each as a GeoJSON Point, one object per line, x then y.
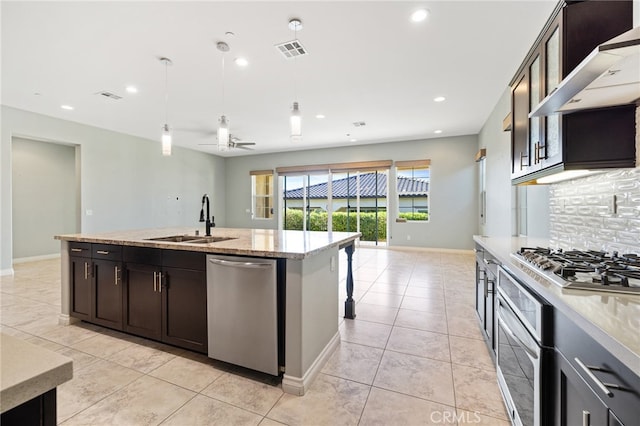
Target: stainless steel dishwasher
{"type": "Point", "coordinates": [242, 311]}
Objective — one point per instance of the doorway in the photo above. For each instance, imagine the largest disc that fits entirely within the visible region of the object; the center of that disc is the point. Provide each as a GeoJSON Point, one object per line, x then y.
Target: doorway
{"type": "Point", "coordinates": [45, 200]}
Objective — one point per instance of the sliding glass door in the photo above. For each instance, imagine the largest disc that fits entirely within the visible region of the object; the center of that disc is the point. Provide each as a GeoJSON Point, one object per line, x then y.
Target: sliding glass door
{"type": "Point", "coordinates": [305, 203]}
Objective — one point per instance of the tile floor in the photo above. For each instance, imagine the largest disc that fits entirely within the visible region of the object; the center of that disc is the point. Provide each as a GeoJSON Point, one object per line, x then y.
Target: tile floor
{"type": "Point", "coordinates": [413, 356]}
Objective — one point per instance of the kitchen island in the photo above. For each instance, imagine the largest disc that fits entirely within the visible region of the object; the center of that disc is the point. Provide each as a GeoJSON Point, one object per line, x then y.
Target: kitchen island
{"type": "Point", "coordinates": [307, 272]}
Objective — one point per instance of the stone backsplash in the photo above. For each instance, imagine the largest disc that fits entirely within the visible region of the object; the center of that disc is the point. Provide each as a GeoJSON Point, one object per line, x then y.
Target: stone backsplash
{"type": "Point", "coordinates": [582, 215]}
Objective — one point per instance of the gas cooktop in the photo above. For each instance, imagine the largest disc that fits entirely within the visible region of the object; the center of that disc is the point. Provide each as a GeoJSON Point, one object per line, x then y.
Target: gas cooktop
{"type": "Point", "coordinates": [584, 270]}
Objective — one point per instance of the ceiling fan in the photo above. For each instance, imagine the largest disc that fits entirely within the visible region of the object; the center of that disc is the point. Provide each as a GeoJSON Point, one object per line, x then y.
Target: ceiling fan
{"type": "Point", "coordinates": [234, 142]}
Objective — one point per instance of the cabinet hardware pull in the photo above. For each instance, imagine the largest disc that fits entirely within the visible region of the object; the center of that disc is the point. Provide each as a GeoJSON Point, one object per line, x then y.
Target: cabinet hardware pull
{"type": "Point", "coordinates": [86, 270]}
{"type": "Point", "coordinates": [116, 273]}
{"type": "Point", "coordinates": [521, 157]}
{"type": "Point", "coordinates": [586, 418]}
{"type": "Point", "coordinates": [542, 146]}
{"type": "Point", "coordinates": [491, 262]}
{"type": "Point", "coordinates": [102, 252]}
{"type": "Point", "coordinates": [250, 265]}
{"type": "Point", "coordinates": [537, 152]}
{"type": "Point", "coordinates": [160, 282]}
{"type": "Point", "coordinates": [76, 250]}
{"type": "Point", "coordinates": [486, 286]}
{"type": "Point", "coordinates": [592, 376]}
{"type": "Point", "coordinates": [155, 278]}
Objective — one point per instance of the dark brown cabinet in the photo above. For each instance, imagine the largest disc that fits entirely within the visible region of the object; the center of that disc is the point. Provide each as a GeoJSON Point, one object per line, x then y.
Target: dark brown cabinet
{"type": "Point", "coordinates": [486, 271]}
{"type": "Point", "coordinates": [601, 138]}
{"type": "Point", "coordinates": [165, 296]}
{"type": "Point", "coordinates": [106, 295]}
{"type": "Point", "coordinates": [592, 386]}
{"type": "Point", "coordinates": [81, 275]}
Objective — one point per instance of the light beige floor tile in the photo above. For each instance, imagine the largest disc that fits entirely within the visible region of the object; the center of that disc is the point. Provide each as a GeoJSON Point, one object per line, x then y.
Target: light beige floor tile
{"type": "Point", "coordinates": [385, 408]}
{"type": "Point", "coordinates": [329, 401]}
{"type": "Point", "coordinates": [421, 320]}
{"type": "Point", "coordinates": [90, 385]}
{"type": "Point", "coordinates": [80, 359]}
{"type": "Point", "coordinates": [470, 352]}
{"type": "Point", "coordinates": [433, 306]}
{"type": "Point", "coordinates": [464, 327]}
{"type": "Point", "coordinates": [146, 401]}
{"type": "Point", "coordinates": [382, 299]}
{"type": "Point", "coordinates": [141, 358]}
{"type": "Point", "coordinates": [268, 422]}
{"type": "Point", "coordinates": [380, 287]}
{"type": "Point", "coordinates": [44, 343]}
{"type": "Point", "coordinates": [365, 333]}
{"type": "Point", "coordinates": [476, 418]}
{"type": "Point", "coordinates": [419, 342]}
{"type": "Point", "coordinates": [432, 292]}
{"type": "Point", "coordinates": [188, 373]}
{"type": "Point", "coordinates": [465, 310]}
{"type": "Point", "coordinates": [375, 313]}
{"type": "Point", "coordinates": [477, 391]}
{"type": "Point", "coordinates": [68, 335]}
{"type": "Point", "coordinates": [244, 393]}
{"type": "Point", "coordinates": [204, 411]}
{"type": "Point", "coordinates": [354, 362]}
{"type": "Point", "coordinates": [101, 345]}
{"type": "Point", "coordinates": [412, 375]}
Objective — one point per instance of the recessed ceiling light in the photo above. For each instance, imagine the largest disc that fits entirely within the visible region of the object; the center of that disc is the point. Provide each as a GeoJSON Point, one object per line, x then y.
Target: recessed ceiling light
{"type": "Point", "coordinates": [67, 107]}
{"type": "Point", "coordinates": [241, 62]}
{"type": "Point", "coordinates": [131, 89]}
{"type": "Point", "coordinates": [419, 15]}
{"type": "Point", "coordinates": [437, 132]}
{"type": "Point", "coordinates": [353, 140]}
{"type": "Point", "coordinates": [320, 115]}
{"type": "Point", "coordinates": [439, 99]}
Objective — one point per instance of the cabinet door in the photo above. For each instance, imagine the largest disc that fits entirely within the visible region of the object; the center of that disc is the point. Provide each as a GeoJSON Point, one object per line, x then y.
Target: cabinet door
{"type": "Point", "coordinates": [577, 404]}
{"type": "Point", "coordinates": [142, 301]}
{"type": "Point", "coordinates": [480, 276]}
{"type": "Point", "coordinates": [107, 293]}
{"type": "Point", "coordinates": [489, 295]}
{"type": "Point", "coordinates": [535, 136]}
{"type": "Point", "coordinates": [80, 303]}
{"type": "Point", "coordinates": [550, 152]}
{"type": "Point", "coordinates": [520, 126]}
{"type": "Point", "coordinates": [184, 308]}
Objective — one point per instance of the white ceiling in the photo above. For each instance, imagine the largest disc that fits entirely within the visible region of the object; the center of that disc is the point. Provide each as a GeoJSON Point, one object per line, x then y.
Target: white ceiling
{"type": "Point", "coordinates": [367, 62]}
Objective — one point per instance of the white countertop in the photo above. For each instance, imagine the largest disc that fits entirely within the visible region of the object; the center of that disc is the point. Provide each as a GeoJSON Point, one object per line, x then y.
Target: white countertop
{"type": "Point", "coordinates": [612, 319]}
{"type": "Point", "coordinates": [251, 242]}
{"type": "Point", "coordinates": [28, 371]}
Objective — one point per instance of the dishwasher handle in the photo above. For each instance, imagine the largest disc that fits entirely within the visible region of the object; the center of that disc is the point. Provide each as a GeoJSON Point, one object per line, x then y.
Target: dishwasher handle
{"type": "Point", "coordinates": [247, 265]}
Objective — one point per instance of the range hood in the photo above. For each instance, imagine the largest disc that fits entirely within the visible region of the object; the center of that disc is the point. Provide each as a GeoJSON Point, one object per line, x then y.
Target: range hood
{"type": "Point", "coordinates": [608, 76]}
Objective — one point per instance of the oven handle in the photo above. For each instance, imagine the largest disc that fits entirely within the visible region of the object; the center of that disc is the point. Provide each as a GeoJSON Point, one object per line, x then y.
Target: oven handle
{"type": "Point", "coordinates": [508, 326]}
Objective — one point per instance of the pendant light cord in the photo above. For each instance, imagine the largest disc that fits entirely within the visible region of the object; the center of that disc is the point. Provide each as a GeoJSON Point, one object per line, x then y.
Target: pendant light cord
{"type": "Point", "coordinates": [166, 91]}
{"type": "Point", "coordinates": [295, 67]}
{"type": "Point", "coordinates": [223, 55]}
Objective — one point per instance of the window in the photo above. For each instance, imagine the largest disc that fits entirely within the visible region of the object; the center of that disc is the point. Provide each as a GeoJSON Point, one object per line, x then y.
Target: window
{"type": "Point", "coordinates": [262, 194]}
{"type": "Point", "coordinates": [413, 181]}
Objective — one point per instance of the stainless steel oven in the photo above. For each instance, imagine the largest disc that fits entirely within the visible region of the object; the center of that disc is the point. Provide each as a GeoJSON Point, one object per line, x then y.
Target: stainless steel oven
{"type": "Point", "coordinates": [523, 350]}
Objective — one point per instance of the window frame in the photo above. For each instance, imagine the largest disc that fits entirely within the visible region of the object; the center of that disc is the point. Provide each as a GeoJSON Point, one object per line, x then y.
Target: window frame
{"type": "Point", "coordinates": [412, 165]}
{"type": "Point", "coordinates": [267, 197]}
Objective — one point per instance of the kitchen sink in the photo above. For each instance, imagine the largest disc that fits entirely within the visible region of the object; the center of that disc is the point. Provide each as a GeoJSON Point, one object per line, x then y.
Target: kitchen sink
{"type": "Point", "coordinates": [191, 239]}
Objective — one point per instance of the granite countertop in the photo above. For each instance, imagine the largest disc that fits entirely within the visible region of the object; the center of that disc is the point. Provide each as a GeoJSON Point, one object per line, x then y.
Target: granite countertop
{"type": "Point", "coordinates": [252, 242]}
{"type": "Point", "coordinates": [28, 371]}
{"type": "Point", "coordinates": [612, 319]}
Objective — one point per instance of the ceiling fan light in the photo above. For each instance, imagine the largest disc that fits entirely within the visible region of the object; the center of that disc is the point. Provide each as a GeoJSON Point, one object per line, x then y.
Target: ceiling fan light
{"type": "Point", "coordinates": [166, 140]}
{"type": "Point", "coordinates": [223, 134]}
{"type": "Point", "coordinates": [296, 123]}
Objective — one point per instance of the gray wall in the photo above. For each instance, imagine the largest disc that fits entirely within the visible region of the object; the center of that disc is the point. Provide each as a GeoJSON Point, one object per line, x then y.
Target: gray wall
{"type": "Point", "coordinates": [44, 196]}
{"type": "Point", "coordinates": [453, 190]}
{"type": "Point", "coordinates": [125, 181]}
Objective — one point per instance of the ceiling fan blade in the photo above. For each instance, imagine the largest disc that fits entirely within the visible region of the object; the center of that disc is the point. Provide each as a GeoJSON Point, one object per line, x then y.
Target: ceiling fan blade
{"type": "Point", "coordinates": [243, 143]}
{"type": "Point", "coordinates": [244, 147]}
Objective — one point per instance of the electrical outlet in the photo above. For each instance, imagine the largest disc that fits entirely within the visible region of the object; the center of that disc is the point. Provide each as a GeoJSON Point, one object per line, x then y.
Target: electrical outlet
{"type": "Point", "coordinates": [332, 263]}
{"type": "Point", "coordinates": [408, 237]}
{"type": "Point", "coordinates": [88, 212]}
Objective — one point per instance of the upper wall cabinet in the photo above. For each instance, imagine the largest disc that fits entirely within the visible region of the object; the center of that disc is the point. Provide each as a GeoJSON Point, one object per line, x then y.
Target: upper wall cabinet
{"type": "Point", "coordinates": [593, 139]}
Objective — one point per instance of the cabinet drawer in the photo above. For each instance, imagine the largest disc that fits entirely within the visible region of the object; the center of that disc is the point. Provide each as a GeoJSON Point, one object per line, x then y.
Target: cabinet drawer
{"type": "Point", "coordinates": [184, 259]}
{"type": "Point", "coordinates": [144, 255]}
{"type": "Point", "coordinates": [79, 249]}
{"type": "Point", "coordinates": [607, 369]}
{"type": "Point", "coordinates": [106, 251]}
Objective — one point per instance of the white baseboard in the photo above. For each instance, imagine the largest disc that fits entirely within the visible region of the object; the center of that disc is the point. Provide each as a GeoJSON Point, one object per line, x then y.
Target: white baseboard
{"type": "Point", "coordinates": [299, 385]}
{"type": "Point", "coordinates": [8, 271]}
{"type": "Point", "coordinates": [36, 258]}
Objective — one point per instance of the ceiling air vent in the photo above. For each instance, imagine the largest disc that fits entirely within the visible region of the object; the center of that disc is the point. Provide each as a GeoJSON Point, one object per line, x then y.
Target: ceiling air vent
{"type": "Point", "coordinates": [359, 123]}
{"type": "Point", "coordinates": [292, 49]}
{"type": "Point", "coordinates": [109, 95]}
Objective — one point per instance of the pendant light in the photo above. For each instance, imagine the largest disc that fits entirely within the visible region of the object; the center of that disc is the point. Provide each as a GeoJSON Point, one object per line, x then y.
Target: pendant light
{"type": "Point", "coordinates": [166, 132]}
{"type": "Point", "coordinates": [223, 125]}
{"type": "Point", "coordinates": [295, 119]}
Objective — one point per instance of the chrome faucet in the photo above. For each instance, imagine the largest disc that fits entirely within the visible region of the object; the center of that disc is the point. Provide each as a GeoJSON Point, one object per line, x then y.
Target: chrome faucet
{"type": "Point", "coordinates": [208, 223]}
